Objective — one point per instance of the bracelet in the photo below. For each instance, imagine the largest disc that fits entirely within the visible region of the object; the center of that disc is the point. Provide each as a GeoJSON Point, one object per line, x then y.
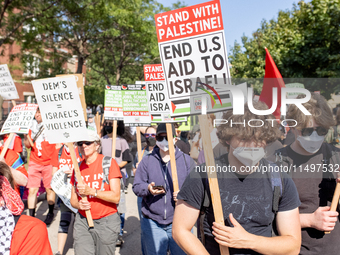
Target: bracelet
{"type": "Point", "coordinates": [95, 194]}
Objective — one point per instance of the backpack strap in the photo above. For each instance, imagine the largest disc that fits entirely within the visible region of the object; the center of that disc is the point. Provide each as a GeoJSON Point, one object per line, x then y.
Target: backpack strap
{"type": "Point", "coordinates": [106, 164]}
{"type": "Point", "coordinates": [60, 152]}
{"type": "Point", "coordinates": [277, 187]}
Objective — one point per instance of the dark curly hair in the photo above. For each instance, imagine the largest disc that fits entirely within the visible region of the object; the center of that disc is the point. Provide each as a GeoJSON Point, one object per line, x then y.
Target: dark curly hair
{"type": "Point", "coordinates": [6, 172]}
{"type": "Point", "coordinates": [268, 132]}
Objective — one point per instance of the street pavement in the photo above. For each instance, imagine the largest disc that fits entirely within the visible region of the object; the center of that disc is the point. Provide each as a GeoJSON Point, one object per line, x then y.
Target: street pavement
{"type": "Point", "coordinates": [131, 235]}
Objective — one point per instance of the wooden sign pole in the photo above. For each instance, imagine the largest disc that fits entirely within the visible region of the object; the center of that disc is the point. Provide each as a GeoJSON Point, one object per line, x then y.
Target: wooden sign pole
{"type": "Point", "coordinates": [80, 180]}
{"type": "Point", "coordinates": [212, 176]}
{"type": "Point", "coordinates": [169, 132]}
{"type": "Point", "coordinates": [335, 200]}
{"type": "Point", "coordinates": [114, 135]}
{"type": "Point", "coordinates": [139, 144]}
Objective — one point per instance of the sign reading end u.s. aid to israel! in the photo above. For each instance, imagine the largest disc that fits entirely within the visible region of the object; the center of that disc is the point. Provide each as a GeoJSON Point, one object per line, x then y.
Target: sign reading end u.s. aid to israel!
{"type": "Point", "coordinates": [193, 54]}
{"type": "Point", "coordinates": [8, 91]}
{"type": "Point", "coordinates": [135, 105]}
{"type": "Point", "coordinates": [61, 109]}
{"type": "Point", "coordinates": [19, 119]}
{"type": "Point", "coordinates": [113, 105]}
{"type": "Point", "coordinates": [158, 98]}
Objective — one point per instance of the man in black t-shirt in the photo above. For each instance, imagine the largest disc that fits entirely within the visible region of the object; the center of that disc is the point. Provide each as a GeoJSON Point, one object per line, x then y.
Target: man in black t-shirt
{"type": "Point", "coordinates": [313, 165]}
{"type": "Point", "coordinates": [246, 197]}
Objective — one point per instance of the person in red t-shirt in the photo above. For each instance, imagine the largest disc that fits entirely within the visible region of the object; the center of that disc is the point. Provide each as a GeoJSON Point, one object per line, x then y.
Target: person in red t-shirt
{"type": "Point", "coordinates": [62, 162]}
{"type": "Point", "coordinates": [39, 167]}
{"type": "Point", "coordinates": [103, 195]}
{"type": "Point", "coordinates": [16, 143]}
{"type": "Point", "coordinates": [14, 161]}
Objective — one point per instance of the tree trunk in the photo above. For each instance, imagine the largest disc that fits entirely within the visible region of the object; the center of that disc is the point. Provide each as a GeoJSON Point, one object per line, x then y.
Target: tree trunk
{"type": "Point", "coordinates": [80, 64]}
{"type": "Point", "coordinates": [118, 76]}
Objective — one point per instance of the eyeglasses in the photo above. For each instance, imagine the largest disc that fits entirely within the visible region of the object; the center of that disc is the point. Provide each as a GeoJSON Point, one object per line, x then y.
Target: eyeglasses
{"type": "Point", "coordinates": [319, 130]}
{"type": "Point", "coordinates": [86, 143]}
{"type": "Point", "coordinates": [148, 135]}
{"type": "Point", "coordinates": [161, 138]}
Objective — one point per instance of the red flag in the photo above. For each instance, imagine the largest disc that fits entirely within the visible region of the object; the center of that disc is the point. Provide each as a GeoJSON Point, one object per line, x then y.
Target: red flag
{"type": "Point", "coordinates": [276, 81]}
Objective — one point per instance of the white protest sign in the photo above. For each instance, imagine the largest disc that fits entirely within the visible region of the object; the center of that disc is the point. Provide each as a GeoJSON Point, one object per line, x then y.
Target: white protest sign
{"type": "Point", "coordinates": [8, 91]}
{"type": "Point", "coordinates": [158, 98]}
{"type": "Point", "coordinates": [61, 109]}
{"type": "Point", "coordinates": [113, 105]}
{"type": "Point", "coordinates": [135, 105]}
{"type": "Point", "coordinates": [62, 187]}
{"type": "Point", "coordinates": [19, 119]}
{"type": "Point", "coordinates": [193, 53]}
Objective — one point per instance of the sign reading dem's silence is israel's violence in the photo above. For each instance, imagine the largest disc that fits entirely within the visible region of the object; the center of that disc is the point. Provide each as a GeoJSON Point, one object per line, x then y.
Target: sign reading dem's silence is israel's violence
{"type": "Point", "coordinates": [61, 109]}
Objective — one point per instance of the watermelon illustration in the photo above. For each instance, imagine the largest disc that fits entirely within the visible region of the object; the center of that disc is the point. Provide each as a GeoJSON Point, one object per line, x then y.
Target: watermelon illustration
{"type": "Point", "coordinates": [108, 87]}
{"type": "Point", "coordinates": [144, 88]}
{"type": "Point", "coordinates": [124, 87]}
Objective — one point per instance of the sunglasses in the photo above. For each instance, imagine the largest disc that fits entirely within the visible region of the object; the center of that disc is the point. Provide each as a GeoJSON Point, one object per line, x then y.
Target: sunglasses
{"type": "Point", "coordinates": [161, 138]}
{"type": "Point", "coordinates": [148, 135]}
{"type": "Point", "coordinates": [86, 143]}
{"type": "Point", "coordinates": [319, 130]}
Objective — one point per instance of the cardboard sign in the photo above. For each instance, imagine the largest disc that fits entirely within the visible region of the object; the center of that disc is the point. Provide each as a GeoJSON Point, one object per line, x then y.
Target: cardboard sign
{"type": "Point", "coordinates": [19, 119]}
{"type": "Point", "coordinates": [135, 105]}
{"type": "Point", "coordinates": [62, 187]}
{"type": "Point", "coordinates": [61, 109]}
{"type": "Point", "coordinates": [80, 84]}
{"type": "Point", "coordinates": [8, 91]}
{"type": "Point", "coordinates": [193, 52]}
{"type": "Point", "coordinates": [158, 98]}
{"type": "Point", "coordinates": [113, 105]}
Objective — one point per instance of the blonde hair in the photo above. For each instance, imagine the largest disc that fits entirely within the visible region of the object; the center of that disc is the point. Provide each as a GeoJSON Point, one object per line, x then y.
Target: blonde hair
{"type": "Point", "coordinates": [269, 132]}
{"type": "Point", "coordinates": [319, 109]}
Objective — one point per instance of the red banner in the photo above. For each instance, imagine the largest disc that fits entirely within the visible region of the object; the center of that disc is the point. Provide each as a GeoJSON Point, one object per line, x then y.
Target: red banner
{"type": "Point", "coordinates": [153, 72]}
{"type": "Point", "coordinates": [189, 21]}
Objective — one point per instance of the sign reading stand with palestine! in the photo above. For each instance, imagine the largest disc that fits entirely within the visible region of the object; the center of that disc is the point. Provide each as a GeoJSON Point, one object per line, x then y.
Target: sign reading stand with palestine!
{"type": "Point", "coordinates": [193, 53]}
{"type": "Point", "coordinates": [113, 105]}
{"type": "Point", "coordinates": [159, 103]}
{"type": "Point", "coordinates": [135, 105]}
{"type": "Point", "coordinates": [8, 91]}
{"type": "Point", "coordinates": [19, 119]}
{"type": "Point", "coordinates": [61, 109]}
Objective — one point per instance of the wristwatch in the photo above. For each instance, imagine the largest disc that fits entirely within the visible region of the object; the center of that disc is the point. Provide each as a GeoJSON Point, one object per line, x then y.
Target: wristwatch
{"type": "Point", "coordinates": [95, 194]}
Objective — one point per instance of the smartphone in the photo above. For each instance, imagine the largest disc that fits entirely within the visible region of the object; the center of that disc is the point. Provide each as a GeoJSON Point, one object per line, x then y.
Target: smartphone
{"type": "Point", "coordinates": [160, 187]}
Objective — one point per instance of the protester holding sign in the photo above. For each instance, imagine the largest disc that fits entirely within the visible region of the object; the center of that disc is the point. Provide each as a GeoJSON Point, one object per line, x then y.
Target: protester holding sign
{"type": "Point", "coordinates": [102, 186]}
{"type": "Point", "coordinates": [247, 194]}
{"type": "Point", "coordinates": [316, 167]}
{"type": "Point", "coordinates": [63, 166]}
{"type": "Point", "coordinates": [39, 167]}
{"type": "Point", "coordinates": [122, 157]}
{"type": "Point", "coordinates": [153, 182]}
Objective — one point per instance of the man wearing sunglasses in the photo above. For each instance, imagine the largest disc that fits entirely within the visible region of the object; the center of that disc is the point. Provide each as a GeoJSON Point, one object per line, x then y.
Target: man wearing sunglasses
{"type": "Point", "coordinates": [102, 197]}
{"type": "Point", "coordinates": [153, 182]}
{"type": "Point", "coordinates": [314, 167]}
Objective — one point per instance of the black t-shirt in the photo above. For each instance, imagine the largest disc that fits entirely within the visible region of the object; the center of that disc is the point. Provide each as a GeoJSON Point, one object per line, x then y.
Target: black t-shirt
{"type": "Point", "coordinates": [315, 189]}
{"type": "Point", "coordinates": [248, 198]}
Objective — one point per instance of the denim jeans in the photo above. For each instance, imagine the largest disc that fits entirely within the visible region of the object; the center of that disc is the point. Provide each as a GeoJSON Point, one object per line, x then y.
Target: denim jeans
{"type": "Point", "coordinates": [158, 238]}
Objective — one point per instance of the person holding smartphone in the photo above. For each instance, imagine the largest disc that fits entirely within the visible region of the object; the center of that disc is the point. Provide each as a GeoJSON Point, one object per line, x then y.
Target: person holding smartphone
{"type": "Point", "coordinates": [153, 182]}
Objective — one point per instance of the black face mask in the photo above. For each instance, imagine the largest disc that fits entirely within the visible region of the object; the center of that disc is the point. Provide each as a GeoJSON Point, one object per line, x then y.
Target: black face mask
{"type": "Point", "coordinates": [108, 129]}
{"type": "Point", "coordinates": [151, 141]}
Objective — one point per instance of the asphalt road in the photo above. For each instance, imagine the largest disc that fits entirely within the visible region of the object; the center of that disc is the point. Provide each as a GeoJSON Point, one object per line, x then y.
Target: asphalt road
{"type": "Point", "coordinates": [131, 235]}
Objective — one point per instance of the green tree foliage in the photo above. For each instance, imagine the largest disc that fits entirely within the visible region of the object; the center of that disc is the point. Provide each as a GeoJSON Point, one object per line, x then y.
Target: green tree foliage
{"type": "Point", "coordinates": [304, 43]}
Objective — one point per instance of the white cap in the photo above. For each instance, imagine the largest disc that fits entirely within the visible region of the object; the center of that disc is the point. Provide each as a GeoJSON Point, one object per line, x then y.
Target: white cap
{"type": "Point", "coordinates": [93, 136]}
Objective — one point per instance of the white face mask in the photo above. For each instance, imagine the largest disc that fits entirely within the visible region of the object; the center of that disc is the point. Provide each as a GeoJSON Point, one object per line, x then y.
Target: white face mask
{"type": "Point", "coordinates": [311, 143]}
{"type": "Point", "coordinates": [248, 156]}
{"type": "Point", "coordinates": [163, 145]}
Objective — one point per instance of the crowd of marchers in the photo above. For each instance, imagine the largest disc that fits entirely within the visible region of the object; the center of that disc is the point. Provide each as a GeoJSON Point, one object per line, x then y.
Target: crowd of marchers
{"type": "Point", "coordinates": [264, 212]}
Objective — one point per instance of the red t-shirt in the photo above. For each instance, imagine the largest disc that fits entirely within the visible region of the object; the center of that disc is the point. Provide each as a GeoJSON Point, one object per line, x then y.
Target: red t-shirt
{"type": "Point", "coordinates": [46, 151]}
{"type": "Point", "coordinates": [30, 237]}
{"type": "Point", "coordinates": [17, 146]}
{"type": "Point", "coordinates": [92, 175]}
{"type": "Point", "coordinates": [65, 158]}
{"type": "Point", "coordinates": [12, 159]}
